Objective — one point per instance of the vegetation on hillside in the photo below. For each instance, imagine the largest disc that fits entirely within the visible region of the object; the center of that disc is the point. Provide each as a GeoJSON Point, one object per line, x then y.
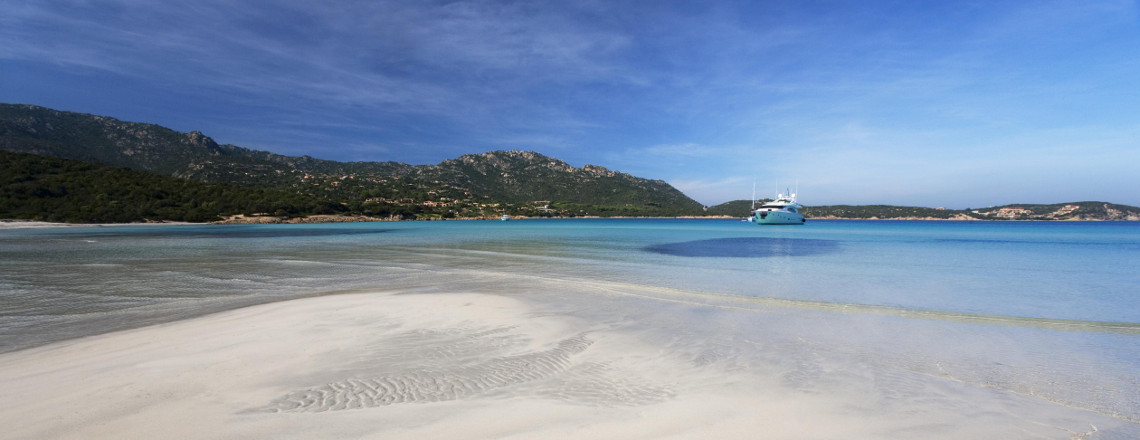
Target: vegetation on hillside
{"type": "Point", "coordinates": [150, 173]}
{"type": "Point", "coordinates": [60, 190]}
{"type": "Point", "coordinates": [477, 185]}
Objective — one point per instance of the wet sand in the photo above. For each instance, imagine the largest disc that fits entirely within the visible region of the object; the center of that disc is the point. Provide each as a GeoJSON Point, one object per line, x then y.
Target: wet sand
{"type": "Point", "coordinates": [23, 224]}
{"type": "Point", "coordinates": [19, 224]}
{"type": "Point", "coordinates": [478, 365]}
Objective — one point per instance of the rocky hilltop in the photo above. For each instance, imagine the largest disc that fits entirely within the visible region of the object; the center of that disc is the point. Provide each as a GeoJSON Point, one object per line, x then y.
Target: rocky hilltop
{"type": "Point", "coordinates": [518, 176]}
{"type": "Point", "coordinates": [1065, 211]}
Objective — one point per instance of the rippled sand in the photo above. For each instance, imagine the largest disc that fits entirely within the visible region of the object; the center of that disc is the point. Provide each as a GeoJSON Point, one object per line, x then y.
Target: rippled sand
{"type": "Point", "coordinates": [477, 365]}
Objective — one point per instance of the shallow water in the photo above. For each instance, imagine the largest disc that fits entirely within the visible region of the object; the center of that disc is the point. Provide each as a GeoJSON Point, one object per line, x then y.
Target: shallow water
{"type": "Point", "coordinates": [1082, 273]}
{"type": "Point", "coordinates": [1049, 310]}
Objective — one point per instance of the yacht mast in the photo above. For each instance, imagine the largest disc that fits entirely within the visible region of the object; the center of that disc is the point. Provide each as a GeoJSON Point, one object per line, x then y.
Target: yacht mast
{"type": "Point", "coordinates": [753, 194]}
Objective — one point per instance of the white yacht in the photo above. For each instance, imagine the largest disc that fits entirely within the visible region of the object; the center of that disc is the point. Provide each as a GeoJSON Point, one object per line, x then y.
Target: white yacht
{"type": "Point", "coordinates": [782, 211]}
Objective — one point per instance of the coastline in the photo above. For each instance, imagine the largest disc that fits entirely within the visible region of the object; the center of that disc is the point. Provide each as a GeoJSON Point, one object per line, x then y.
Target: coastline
{"type": "Point", "coordinates": [18, 224]}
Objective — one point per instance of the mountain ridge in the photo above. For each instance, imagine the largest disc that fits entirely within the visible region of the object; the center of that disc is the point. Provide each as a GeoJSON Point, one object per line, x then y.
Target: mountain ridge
{"type": "Point", "coordinates": [471, 185]}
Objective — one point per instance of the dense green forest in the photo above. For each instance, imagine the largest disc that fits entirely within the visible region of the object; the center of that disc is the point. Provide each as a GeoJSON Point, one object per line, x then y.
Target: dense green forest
{"type": "Point", "coordinates": [61, 190]}
{"type": "Point", "coordinates": [34, 187]}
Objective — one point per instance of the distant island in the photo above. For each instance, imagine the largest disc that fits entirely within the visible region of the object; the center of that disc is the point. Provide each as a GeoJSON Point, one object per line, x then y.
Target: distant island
{"type": "Point", "coordinates": [1086, 211]}
{"type": "Point", "coordinates": [70, 167]}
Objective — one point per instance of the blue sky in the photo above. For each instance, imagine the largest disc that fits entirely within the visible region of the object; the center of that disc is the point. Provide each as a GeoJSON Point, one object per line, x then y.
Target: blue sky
{"type": "Point", "coordinates": [949, 103]}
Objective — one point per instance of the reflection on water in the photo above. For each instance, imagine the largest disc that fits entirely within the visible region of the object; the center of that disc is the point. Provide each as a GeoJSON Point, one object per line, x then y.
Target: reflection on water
{"type": "Point", "coordinates": [747, 247]}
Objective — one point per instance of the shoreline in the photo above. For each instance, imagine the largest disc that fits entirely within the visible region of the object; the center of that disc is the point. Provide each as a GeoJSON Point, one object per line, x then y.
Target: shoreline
{"type": "Point", "coordinates": [429, 365]}
{"type": "Point", "coordinates": [567, 330]}
{"type": "Point", "coordinates": [19, 224]}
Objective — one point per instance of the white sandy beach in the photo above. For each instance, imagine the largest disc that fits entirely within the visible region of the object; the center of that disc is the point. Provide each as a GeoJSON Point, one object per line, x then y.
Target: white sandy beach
{"type": "Point", "coordinates": [475, 365]}
{"type": "Point", "coordinates": [18, 224]}
{"type": "Point", "coordinates": [23, 224]}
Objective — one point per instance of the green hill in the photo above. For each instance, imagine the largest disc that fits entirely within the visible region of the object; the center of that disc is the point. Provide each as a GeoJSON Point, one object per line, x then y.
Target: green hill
{"type": "Point", "coordinates": [195, 179]}
{"type": "Point", "coordinates": [42, 188]}
{"type": "Point", "coordinates": [513, 182]}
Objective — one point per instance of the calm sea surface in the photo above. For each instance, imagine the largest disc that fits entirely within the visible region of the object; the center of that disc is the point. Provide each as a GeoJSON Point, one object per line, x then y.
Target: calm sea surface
{"type": "Point", "coordinates": [58, 283]}
{"type": "Point", "coordinates": [1044, 309]}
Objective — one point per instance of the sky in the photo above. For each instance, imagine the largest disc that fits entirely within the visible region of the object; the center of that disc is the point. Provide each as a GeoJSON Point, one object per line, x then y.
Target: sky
{"type": "Point", "coordinates": [961, 104]}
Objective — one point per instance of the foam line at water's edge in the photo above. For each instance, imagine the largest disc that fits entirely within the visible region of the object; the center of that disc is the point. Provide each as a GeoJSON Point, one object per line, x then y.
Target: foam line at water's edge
{"type": "Point", "coordinates": [714, 299]}
{"type": "Point", "coordinates": [750, 303]}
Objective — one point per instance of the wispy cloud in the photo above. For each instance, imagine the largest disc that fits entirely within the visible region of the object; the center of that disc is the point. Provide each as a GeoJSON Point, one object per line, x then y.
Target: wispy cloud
{"type": "Point", "coordinates": [714, 192]}
{"type": "Point", "coordinates": [922, 97]}
{"type": "Point", "coordinates": [408, 57]}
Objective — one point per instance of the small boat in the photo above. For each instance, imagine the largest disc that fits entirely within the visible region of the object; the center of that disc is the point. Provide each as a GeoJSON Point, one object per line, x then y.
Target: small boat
{"type": "Point", "coordinates": [782, 211]}
{"type": "Point", "coordinates": [505, 217]}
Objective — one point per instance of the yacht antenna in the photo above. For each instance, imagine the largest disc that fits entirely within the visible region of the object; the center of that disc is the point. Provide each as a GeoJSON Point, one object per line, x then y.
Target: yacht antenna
{"type": "Point", "coordinates": [753, 194]}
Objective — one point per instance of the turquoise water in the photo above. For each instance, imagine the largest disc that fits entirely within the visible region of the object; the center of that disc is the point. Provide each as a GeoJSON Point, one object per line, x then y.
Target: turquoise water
{"type": "Point", "coordinates": [58, 283]}
{"type": "Point", "coordinates": [1048, 310]}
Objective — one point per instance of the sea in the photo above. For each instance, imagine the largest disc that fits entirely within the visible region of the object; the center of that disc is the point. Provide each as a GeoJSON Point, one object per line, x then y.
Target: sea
{"type": "Point", "coordinates": [1044, 310]}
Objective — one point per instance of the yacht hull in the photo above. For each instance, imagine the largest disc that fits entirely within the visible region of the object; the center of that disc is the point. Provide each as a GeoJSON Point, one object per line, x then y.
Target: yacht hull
{"type": "Point", "coordinates": [778, 218]}
{"type": "Point", "coordinates": [782, 211]}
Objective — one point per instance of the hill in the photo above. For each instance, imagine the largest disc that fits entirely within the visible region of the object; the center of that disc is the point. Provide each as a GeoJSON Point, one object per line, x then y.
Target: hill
{"type": "Point", "coordinates": [476, 185]}
{"type": "Point", "coordinates": [42, 188]}
{"type": "Point", "coordinates": [211, 180]}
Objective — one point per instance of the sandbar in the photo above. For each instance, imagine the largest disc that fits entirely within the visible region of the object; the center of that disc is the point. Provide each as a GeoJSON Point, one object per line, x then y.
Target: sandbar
{"type": "Point", "coordinates": [402, 365]}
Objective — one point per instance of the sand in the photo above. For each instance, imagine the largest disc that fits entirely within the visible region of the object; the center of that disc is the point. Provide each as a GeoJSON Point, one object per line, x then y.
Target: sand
{"type": "Point", "coordinates": [398, 365]}
{"type": "Point", "coordinates": [20, 224]}
{"type": "Point", "coordinates": [25, 224]}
